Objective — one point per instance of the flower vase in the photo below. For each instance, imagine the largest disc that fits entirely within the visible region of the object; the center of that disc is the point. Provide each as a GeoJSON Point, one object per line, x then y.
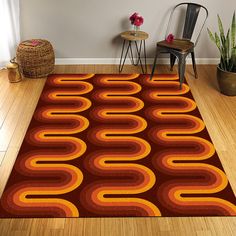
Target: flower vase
{"type": "Point", "coordinates": [135, 31]}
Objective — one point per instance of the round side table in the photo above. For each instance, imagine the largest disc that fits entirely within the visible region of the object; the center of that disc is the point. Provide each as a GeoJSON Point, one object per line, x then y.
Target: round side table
{"type": "Point", "coordinates": [130, 37]}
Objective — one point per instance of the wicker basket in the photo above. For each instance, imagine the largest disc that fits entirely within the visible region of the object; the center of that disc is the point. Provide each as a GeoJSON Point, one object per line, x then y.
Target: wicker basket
{"type": "Point", "coordinates": [35, 57]}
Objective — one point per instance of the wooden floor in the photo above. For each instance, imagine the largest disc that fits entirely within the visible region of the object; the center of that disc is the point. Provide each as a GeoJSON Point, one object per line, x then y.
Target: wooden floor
{"type": "Point", "coordinates": [17, 103]}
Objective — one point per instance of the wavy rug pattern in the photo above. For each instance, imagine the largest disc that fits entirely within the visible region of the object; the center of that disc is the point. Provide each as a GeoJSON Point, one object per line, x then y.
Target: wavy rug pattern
{"type": "Point", "coordinates": [116, 145]}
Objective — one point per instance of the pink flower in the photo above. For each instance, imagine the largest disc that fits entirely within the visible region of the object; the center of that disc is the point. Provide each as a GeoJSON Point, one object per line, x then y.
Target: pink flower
{"type": "Point", "coordinates": [138, 21]}
{"type": "Point", "coordinates": [170, 38]}
{"type": "Point", "coordinates": [133, 17]}
{"type": "Point", "coordinates": [34, 42]}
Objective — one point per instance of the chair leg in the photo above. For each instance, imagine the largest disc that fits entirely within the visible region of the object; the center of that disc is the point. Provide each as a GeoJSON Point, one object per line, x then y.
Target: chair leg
{"type": "Point", "coordinates": [154, 64]}
{"type": "Point", "coordinates": [182, 63]}
{"type": "Point", "coordinates": [172, 61]}
{"type": "Point", "coordinates": [194, 64]}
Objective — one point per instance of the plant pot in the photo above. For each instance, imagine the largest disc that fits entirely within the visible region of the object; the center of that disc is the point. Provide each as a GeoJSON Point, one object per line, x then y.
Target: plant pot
{"type": "Point", "coordinates": [227, 82]}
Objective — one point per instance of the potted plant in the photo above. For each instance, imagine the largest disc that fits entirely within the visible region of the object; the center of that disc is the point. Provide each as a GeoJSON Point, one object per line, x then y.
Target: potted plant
{"type": "Point", "coordinates": [226, 70]}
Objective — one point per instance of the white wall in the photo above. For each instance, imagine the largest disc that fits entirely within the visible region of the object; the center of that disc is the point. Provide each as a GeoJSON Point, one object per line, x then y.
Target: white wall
{"type": "Point", "coordinates": [90, 28]}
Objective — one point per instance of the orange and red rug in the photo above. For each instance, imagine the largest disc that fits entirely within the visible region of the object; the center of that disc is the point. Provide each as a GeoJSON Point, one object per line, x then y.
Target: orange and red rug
{"type": "Point", "coordinates": [116, 145]}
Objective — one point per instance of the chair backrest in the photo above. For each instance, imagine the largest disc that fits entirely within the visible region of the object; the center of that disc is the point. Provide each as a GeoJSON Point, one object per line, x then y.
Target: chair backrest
{"type": "Point", "coordinates": [192, 13]}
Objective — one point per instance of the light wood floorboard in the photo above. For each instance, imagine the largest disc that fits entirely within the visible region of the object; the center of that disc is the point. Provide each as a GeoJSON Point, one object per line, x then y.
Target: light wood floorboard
{"type": "Point", "coordinates": [17, 104]}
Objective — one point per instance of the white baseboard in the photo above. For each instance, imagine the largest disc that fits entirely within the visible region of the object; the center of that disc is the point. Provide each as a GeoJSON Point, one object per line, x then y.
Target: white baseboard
{"type": "Point", "coordinates": [116, 61]}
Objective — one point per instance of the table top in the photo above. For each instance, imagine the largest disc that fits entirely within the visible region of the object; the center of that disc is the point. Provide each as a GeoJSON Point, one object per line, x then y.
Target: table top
{"type": "Point", "coordinates": [131, 36]}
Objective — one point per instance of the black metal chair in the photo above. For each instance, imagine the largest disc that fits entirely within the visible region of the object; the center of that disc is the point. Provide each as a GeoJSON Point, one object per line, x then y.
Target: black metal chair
{"type": "Point", "coordinates": [180, 48]}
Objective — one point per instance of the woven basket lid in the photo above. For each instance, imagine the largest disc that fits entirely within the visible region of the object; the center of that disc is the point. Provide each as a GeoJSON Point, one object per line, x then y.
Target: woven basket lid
{"type": "Point", "coordinates": [35, 43]}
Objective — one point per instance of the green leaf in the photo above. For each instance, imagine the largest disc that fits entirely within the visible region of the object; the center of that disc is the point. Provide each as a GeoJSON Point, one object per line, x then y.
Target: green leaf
{"type": "Point", "coordinates": [222, 64]}
{"type": "Point", "coordinates": [233, 57]}
{"type": "Point", "coordinates": [233, 31]}
{"type": "Point", "coordinates": [221, 29]}
{"type": "Point", "coordinates": [233, 60]}
{"type": "Point", "coordinates": [211, 35]}
{"type": "Point", "coordinates": [217, 41]}
{"type": "Point", "coordinates": [227, 43]}
{"type": "Point", "coordinates": [227, 49]}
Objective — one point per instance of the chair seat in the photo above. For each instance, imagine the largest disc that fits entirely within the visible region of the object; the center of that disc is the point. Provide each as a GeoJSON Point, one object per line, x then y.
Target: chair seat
{"type": "Point", "coordinates": [182, 45]}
